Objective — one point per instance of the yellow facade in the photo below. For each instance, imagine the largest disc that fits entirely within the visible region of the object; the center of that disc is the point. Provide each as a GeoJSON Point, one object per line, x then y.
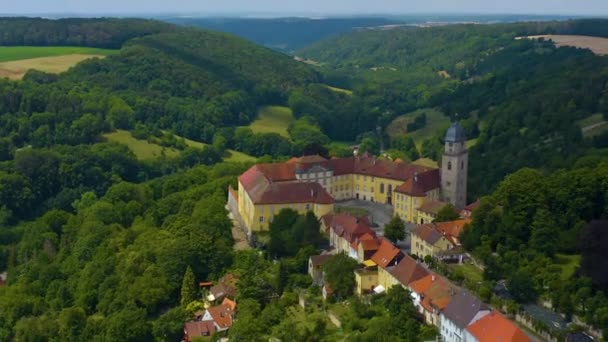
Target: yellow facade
{"type": "Point", "coordinates": [406, 207]}
{"type": "Point", "coordinates": [386, 279]}
{"type": "Point", "coordinates": [422, 248]}
{"type": "Point", "coordinates": [423, 217]}
{"type": "Point", "coordinates": [366, 280]}
{"type": "Point", "coordinates": [257, 217]}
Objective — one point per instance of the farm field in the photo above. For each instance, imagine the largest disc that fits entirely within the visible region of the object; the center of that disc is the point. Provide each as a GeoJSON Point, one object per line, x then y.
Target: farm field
{"type": "Point", "coordinates": [272, 119]}
{"type": "Point", "coordinates": [598, 45]}
{"type": "Point", "coordinates": [435, 120]}
{"type": "Point", "coordinates": [16, 61]}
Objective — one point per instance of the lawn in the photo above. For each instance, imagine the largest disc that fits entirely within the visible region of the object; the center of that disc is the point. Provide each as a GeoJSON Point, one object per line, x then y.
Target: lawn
{"type": "Point", "coordinates": [435, 121]}
{"type": "Point", "coordinates": [469, 272]}
{"type": "Point", "coordinates": [272, 119]}
{"type": "Point", "coordinates": [16, 61]}
{"type": "Point", "coordinates": [142, 149]}
{"type": "Point", "coordinates": [16, 53]}
{"type": "Point", "coordinates": [340, 90]}
{"type": "Point", "coordinates": [235, 156]}
{"type": "Point", "coordinates": [568, 264]}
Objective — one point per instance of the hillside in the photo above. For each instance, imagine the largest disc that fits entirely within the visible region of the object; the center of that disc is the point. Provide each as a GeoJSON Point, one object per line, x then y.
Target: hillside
{"type": "Point", "coordinates": [491, 80]}
{"type": "Point", "coordinates": [284, 34]}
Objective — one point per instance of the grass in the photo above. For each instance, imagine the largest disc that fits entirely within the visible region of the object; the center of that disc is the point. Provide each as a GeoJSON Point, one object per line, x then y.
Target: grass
{"type": "Point", "coordinates": [235, 156]}
{"type": "Point", "coordinates": [471, 143]}
{"type": "Point", "coordinates": [16, 61]}
{"type": "Point", "coordinates": [273, 119]}
{"type": "Point", "coordinates": [468, 272]}
{"type": "Point", "coordinates": [16, 53]}
{"type": "Point", "coordinates": [568, 264]}
{"type": "Point", "coordinates": [435, 121]}
{"type": "Point", "coordinates": [142, 149]}
{"type": "Point", "coordinates": [427, 162]}
{"type": "Point", "coordinates": [340, 90]}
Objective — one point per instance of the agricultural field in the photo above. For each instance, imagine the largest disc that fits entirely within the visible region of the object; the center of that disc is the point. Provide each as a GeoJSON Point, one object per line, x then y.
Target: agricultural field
{"type": "Point", "coordinates": [16, 61]}
{"type": "Point", "coordinates": [598, 45]}
{"type": "Point", "coordinates": [435, 120]}
{"type": "Point", "coordinates": [272, 119]}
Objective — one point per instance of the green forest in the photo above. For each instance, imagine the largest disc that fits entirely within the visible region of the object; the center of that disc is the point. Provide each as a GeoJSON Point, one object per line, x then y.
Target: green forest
{"type": "Point", "coordinates": [97, 243]}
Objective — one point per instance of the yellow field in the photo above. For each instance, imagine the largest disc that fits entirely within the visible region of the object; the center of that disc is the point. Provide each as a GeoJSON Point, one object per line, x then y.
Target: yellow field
{"type": "Point", "coordinates": [15, 70]}
{"type": "Point", "coordinates": [598, 45]}
{"type": "Point", "coordinates": [272, 119]}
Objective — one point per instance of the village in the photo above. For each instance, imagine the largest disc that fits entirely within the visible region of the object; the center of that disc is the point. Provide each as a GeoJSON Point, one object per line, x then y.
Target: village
{"type": "Point", "coordinates": [412, 194]}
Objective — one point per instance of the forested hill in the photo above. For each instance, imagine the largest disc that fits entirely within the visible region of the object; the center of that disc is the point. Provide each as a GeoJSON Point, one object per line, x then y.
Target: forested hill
{"type": "Point", "coordinates": [285, 34]}
{"type": "Point", "coordinates": [101, 33]}
{"type": "Point", "coordinates": [526, 97]}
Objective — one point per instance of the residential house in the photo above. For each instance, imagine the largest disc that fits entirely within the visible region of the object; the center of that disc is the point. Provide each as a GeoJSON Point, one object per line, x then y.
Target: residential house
{"type": "Point", "coordinates": [226, 287]}
{"type": "Point", "coordinates": [345, 232]}
{"type": "Point", "coordinates": [467, 211]}
{"type": "Point", "coordinates": [407, 271]}
{"type": "Point", "coordinates": [195, 329]}
{"type": "Point", "coordinates": [221, 315]}
{"type": "Point", "coordinates": [463, 310]}
{"type": "Point", "coordinates": [315, 267]}
{"type": "Point", "coordinates": [433, 239]}
{"type": "Point", "coordinates": [366, 279]}
{"type": "Point", "coordinates": [429, 210]}
{"type": "Point", "coordinates": [386, 257]}
{"type": "Point", "coordinates": [215, 319]}
{"type": "Point", "coordinates": [494, 327]}
{"type": "Point", "coordinates": [431, 295]}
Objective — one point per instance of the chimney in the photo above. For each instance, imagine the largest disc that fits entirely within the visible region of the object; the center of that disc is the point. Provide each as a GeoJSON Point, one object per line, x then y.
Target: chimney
{"type": "Point", "coordinates": [433, 277]}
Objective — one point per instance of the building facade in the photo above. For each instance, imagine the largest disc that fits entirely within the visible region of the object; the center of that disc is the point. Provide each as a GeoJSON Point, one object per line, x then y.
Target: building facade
{"type": "Point", "coordinates": [454, 167]}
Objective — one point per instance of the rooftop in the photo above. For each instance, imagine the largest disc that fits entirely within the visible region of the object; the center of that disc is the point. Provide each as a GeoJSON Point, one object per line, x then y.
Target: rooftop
{"type": "Point", "coordinates": [455, 133]}
{"type": "Point", "coordinates": [463, 308]}
{"type": "Point", "coordinates": [495, 327]}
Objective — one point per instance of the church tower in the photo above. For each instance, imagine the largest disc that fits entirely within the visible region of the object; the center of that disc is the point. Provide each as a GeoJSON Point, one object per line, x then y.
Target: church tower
{"type": "Point", "coordinates": [454, 167]}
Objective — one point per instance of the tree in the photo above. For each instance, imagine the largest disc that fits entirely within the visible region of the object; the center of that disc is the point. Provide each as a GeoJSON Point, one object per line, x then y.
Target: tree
{"type": "Point", "coordinates": [446, 214]}
{"type": "Point", "coordinates": [339, 274]}
{"type": "Point", "coordinates": [395, 229]}
{"type": "Point", "coordinates": [189, 289]}
{"type": "Point", "coordinates": [544, 238]}
{"type": "Point", "coordinates": [521, 286]}
{"type": "Point", "coordinates": [594, 247]}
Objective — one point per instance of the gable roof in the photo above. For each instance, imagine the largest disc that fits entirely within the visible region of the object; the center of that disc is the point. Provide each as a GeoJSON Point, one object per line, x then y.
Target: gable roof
{"type": "Point", "coordinates": [452, 229]}
{"type": "Point", "coordinates": [198, 328]}
{"type": "Point", "coordinates": [386, 253]}
{"type": "Point", "coordinates": [350, 227]}
{"type": "Point", "coordinates": [421, 183]}
{"type": "Point", "coordinates": [409, 270]}
{"type": "Point", "coordinates": [495, 327]}
{"type": "Point", "coordinates": [432, 207]}
{"type": "Point", "coordinates": [277, 193]}
{"type": "Point", "coordinates": [435, 291]}
{"type": "Point", "coordinates": [221, 315]}
{"type": "Point", "coordinates": [428, 233]}
{"type": "Point", "coordinates": [463, 308]}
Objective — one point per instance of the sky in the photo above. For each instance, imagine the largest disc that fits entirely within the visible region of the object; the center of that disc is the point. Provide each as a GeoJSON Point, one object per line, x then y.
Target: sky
{"type": "Point", "coordinates": [346, 7]}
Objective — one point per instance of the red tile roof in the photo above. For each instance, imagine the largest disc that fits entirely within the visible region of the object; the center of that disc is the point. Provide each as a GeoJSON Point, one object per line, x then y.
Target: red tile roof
{"type": "Point", "coordinates": [452, 229]}
{"type": "Point", "coordinates": [369, 245]}
{"type": "Point", "coordinates": [386, 254]}
{"type": "Point", "coordinates": [222, 315]}
{"type": "Point", "coordinates": [435, 291]}
{"type": "Point", "coordinates": [419, 184]}
{"type": "Point", "coordinates": [198, 328]}
{"type": "Point", "coordinates": [495, 327]}
{"type": "Point", "coordinates": [278, 193]}
{"type": "Point", "coordinates": [409, 270]}
{"type": "Point", "coordinates": [350, 227]}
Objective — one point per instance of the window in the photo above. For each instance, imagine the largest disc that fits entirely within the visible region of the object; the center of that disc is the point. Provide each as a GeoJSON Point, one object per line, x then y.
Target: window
{"type": "Point", "coordinates": [307, 206]}
{"type": "Point", "coordinates": [365, 188]}
{"type": "Point", "coordinates": [449, 165]}
{"type": "Point", "coordinates": [462, 165]}
{"type": "Point", "coordinates": [451, 144]}
{"type": "Point", "coordinates": [381, 188]}
{"type": "Point", "coordinates": [357, 187]}
{"type": "Point", "coordinates": [324, 181]}
{"type": "Point", "coordinates": [261, 218]}
{"type": "Point", "coordinates": [448, 183]}
{"type": "Point", "coordinates": [372, 179]}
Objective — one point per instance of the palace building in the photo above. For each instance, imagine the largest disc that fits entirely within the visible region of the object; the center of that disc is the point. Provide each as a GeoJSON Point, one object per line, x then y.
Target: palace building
{"type": "Point", "coordinates": [313, 183]}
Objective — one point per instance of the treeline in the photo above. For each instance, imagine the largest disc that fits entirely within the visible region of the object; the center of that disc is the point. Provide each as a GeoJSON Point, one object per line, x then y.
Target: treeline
{"type": "Point", "coordinates": [110, 266]}
{"type": "Point", "coordinates": [530, 231]}
{"type": "Point", "coordinates": [101, 33]}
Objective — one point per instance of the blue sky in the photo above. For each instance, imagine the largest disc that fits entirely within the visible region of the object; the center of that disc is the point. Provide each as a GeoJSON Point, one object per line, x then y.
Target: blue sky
{"type": "Point", "coordinates": [594, 7]}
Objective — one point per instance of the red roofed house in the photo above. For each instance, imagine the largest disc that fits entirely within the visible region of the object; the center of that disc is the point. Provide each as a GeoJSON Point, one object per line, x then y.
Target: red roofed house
{"type": "Point", "coordinates": [345, 231]}
{"type": "Point", "coordinates": [436, 239]}
{"type": "Point", "coordinates": [215, 319]}
{"type": "Point", "coordinates": [432, 294]}
{"type": "Point", "coordinates": [467, 212]}
{"type": "Point", "coordinates": [495, 327]}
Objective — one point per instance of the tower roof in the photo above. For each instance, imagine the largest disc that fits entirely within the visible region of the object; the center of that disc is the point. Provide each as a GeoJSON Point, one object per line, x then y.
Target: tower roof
{"type": "Point", "coordinates": [455, 133]}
